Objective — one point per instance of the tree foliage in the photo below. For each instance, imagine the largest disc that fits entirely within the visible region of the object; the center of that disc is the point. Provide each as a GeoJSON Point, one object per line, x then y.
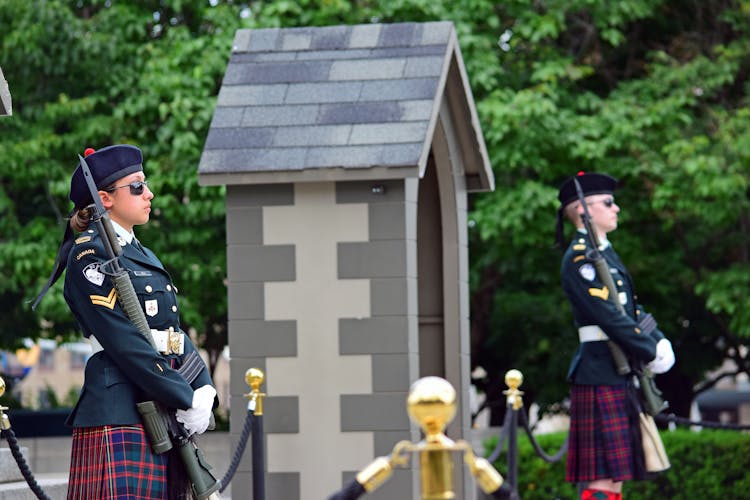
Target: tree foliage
{"type": "Point", "coordinates": [93, 73]}
{"type": "Point", "coordinates": [655, 93]}
{"type": "Point", "coordinates": [652, 91]}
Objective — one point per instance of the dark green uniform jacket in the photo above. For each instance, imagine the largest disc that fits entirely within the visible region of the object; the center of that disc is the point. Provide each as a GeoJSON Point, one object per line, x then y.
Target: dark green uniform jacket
{"type": "Point", "coordinates": [128, 370]}
{"type": "Point", "coordinates": [592, 363]}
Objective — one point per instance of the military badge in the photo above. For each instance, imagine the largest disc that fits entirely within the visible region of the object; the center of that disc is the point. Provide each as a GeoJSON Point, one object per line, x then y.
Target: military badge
{"type": "Point", "coordinates": [587, 272]}
{"type": "Point", "coordinates": [152, 307]}
{"type": "Point", "coordinates": [93, 274]}
{"type": "Point", "coordinates": [602, 293]}
{"type": "Point", "coordinates": [108, 301]}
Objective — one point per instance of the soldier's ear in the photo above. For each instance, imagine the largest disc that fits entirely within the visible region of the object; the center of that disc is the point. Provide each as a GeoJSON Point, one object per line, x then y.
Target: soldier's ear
{"type": "Point", "coordinates": [107, 199]}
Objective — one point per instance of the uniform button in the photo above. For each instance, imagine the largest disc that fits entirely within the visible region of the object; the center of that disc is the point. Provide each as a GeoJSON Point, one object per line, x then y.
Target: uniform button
{"type": "Point", "coordinates": [637, 330]}
{"type": "Point", "coordinates": [174, 309]}
{"type": "Point", "coordinates": [169, 288]}
{"type": "Point", "coordinates": [619, 282]}
{"type": "Point", "coordinates": [149, 289]}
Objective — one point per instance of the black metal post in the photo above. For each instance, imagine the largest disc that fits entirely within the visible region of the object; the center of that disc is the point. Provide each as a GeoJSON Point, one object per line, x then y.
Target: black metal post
{"type": "Point", "coordinates": [513, 450]}
{"type": "Point", "coordinates": [259, 485]}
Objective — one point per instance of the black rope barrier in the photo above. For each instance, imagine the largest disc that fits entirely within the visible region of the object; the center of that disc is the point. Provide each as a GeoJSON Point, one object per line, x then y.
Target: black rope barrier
{"type": "Point", "coordinates": [506, 492]}
{"type": "Point", "coordinates": [351, 491]}
{"type": "Point", "coordinates": [700, 423]}
{"type": "Point", "coordinates": [501, 439]}
{"type": "Point", "coordinates": [547, 458]}
{"type": "Point", "coordinates": [237, 457]}
{"type": "Point", "coordinates": [510, 432]}
{"type": "Point", "coordinates": [10, 436]}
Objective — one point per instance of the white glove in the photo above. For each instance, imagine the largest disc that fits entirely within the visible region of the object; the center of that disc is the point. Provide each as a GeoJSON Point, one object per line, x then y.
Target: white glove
{"type": "Point", "coordinates": [197, 418]}
{"type": "Point", "coordinates": [664, 357]}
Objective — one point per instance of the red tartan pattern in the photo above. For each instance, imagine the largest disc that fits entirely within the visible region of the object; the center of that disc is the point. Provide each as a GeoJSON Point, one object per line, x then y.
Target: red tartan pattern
{"type": "Point", "coordinates": [599, 445]}
{"type": "Point", "coordinates": [115, 463]}
{"type": "Point", "coordinates": [589, 494]}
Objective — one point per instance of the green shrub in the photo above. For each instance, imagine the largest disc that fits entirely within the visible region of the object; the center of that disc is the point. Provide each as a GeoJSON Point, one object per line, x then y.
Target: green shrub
{"type": "Point", "coordinates": [707, 465]}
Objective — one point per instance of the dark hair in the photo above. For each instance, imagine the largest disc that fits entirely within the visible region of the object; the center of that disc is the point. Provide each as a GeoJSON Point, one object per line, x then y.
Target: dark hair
{"type": "Point", "coordinates": [80, 219]}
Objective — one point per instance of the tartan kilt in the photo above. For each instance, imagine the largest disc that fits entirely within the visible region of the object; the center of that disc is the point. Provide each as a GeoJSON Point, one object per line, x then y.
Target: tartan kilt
{"type": "Point", "coordinates": [115, 462]}
{"type": "Point", "coordinates": [599, 444]}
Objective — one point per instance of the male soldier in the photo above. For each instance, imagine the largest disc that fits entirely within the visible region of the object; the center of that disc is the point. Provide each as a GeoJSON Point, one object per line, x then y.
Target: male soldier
{"type": "Point", "coordinates": [601, 453]}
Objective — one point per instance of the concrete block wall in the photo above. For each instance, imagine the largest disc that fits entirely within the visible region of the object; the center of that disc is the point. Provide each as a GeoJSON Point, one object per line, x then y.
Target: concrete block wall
{"type": "Point", "coordinates": [322, 297]}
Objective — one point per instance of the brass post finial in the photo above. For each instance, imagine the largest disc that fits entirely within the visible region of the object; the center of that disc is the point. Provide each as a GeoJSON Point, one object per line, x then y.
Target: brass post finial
{"type": "Point", "coordinates": [432, 404]}
{"type": "Point", "coordinates": [514, 379]}
{"type": "Point", "coordinates": [254, 378]}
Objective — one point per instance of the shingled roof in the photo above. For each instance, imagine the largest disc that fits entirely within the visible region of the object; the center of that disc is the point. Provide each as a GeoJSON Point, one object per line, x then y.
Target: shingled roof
{"type": "Point", "coordinates": [340, 103]}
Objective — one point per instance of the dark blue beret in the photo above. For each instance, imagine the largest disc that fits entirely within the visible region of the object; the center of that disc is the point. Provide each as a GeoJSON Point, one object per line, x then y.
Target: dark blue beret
{"type": "Point", "coordinates": [591, 183]}
{"type": "Point", "coordinates": [106, 165]}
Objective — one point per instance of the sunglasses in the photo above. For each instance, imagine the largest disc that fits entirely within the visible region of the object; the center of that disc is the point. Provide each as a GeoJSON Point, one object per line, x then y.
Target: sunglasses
{"type": "Point", "coordinates": [136, 187]}
{"type": "Point", "coordinates": [607, 202]}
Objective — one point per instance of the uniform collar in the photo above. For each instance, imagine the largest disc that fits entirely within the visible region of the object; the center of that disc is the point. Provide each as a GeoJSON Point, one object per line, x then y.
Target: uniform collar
{"type": "Point", "coordinates": [603, 242]}
{"type": "Point", "coordinates": [126, 235]}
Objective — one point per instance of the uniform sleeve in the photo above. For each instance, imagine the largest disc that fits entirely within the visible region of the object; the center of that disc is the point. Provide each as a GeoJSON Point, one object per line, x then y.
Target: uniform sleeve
{"type": "Point", "coordinates": [204, 377]}
{"type": "Point", "coordinates": [656, 334]}
{"type": "Point", "coordinates": [93, 300]}
{"type": "Point", "coordinates": [591, 302]}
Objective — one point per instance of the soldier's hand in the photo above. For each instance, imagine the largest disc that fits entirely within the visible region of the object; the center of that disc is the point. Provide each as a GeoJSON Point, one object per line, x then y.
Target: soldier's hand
{"type": "Point", "coordinates": [664, 357]}
{"type": "Point", "coordinates": [197, 418]}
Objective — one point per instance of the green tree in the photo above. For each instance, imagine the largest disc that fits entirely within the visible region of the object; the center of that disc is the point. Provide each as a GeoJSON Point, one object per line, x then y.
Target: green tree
{"type": "Point", "coordinates": [651, 91]}
{"type": "Point", "coordinates": [95, 73]}
{"type": "Point", "coordinates": [655, 93]}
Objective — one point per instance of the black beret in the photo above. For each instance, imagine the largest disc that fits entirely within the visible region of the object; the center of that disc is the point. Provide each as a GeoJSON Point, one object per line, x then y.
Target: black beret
{"type": "Point", "coordinates": [106, 165]}
{"type": "Point", "coordinates": [591, 183]}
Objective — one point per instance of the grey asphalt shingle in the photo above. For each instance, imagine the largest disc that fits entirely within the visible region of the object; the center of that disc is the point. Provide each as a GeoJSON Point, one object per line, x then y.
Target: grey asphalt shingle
{"type": "Point", "coordinates": [329, 97]}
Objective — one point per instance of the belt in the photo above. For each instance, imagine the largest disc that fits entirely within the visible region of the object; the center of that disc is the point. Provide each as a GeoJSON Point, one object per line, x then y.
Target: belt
{"type": "Point", "coordinates": [591, 333]}
{"type": "Point", "coordinates": [166, 341]}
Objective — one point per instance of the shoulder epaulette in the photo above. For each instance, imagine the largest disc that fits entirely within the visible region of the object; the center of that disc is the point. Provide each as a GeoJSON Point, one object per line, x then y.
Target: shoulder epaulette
{"type": "Point", "coordinates": [579, 249]}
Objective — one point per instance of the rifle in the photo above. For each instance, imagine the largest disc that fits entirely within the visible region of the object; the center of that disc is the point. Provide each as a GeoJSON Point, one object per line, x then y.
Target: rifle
{"type": "Point", "coordinates": [162, 426]}
{"type": "Point", "coordinates": [644, 380]}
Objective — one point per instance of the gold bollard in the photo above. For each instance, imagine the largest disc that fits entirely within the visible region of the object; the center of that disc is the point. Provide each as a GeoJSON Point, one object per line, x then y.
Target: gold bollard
{"type": "Point", "coordinates": [254, 378]}
{"type": "Point", "coordinates": [431, 404]}
{"type": "Point", "coordinates": [513, 379]}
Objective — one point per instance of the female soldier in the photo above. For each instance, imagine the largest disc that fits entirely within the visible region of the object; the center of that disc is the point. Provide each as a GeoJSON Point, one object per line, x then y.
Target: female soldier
{"type": "Point", "coordinates": [111, 456]}
{"type": "Point", "coordinates": [600, 454]}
